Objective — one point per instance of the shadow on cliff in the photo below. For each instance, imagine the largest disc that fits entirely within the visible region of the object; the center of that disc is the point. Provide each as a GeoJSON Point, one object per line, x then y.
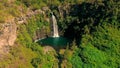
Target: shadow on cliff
{"type": "Point", "coordinates": [88, 15]}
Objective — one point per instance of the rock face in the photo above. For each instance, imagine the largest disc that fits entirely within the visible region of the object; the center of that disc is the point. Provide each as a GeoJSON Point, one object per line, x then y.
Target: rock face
{"type": "Point", "coordinates": [8, 30]}
{"type": "Point", "coordinates": [7, 35]}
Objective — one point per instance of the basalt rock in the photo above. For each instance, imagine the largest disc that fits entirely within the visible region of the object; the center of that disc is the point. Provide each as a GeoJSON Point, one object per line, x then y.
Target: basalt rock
{"type": "Point", "coordinates": [8, 35]}
{"type": "Point", "coordinates": [8, 29]}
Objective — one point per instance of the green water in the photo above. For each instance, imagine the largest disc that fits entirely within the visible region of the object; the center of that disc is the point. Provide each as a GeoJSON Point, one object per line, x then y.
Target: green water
{"type": "Point", "coordinates": [54, 41]}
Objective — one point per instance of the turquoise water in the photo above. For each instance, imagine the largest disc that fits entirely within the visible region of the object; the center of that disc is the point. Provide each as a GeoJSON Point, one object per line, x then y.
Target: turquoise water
{"type": "Point", "coordinates": [54, 41]}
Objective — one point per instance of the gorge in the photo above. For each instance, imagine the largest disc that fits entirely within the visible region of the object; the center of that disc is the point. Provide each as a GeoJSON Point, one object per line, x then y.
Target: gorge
{"type": "Point", "coordinates": [69, 34]}
{"type": "Point", "coordinates": [56, 40]}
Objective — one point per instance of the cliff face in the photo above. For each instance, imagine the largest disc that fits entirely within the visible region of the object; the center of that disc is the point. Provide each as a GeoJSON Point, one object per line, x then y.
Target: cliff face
{"type": "Point", "coordinates": [7, 35]}
{"type": "Point", "coordinates": [8, 29]}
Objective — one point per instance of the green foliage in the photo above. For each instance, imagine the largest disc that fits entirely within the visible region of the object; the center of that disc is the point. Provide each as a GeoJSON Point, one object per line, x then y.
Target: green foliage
{"type": "Point", "coordinates": [97, 33]}
{"type": "Point", "coordinates": [34, 4]}
{"type": "Point", "coordinates": [35, 62]}
{"type": "Point", "coordinates": [76, 60]}
{"type": "Point", "coordinates": [24, 37]}
{"type": "Point", "coordinates": [19, 57]}
{"type": "Point", "coordinates": [102, 48]}
{"type": "Point", "coordinates": [10, 9]}
{"type": "Point", "coordinates": [45, 60]}
{"type": "Point", "coordinates": [26, 33]}
{"type": "Point", "coordinates": [93, 24]}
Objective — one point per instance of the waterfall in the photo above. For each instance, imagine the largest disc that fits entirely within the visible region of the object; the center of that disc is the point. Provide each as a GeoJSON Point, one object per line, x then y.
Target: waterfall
{"type": "Point", "coordinates": [55, 26]}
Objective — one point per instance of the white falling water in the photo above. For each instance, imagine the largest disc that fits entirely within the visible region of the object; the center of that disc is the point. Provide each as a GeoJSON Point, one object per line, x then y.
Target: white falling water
{"type": "Point", "coordinates": [55, 27]}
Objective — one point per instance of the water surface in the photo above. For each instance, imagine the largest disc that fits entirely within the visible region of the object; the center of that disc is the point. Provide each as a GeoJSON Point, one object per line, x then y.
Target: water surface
{"type": "Point", "coordinates": [54, 41]}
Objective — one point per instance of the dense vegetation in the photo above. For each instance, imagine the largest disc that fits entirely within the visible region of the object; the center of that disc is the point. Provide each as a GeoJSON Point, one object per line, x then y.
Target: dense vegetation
{"type": "Point", "coordinates": [94, 27]}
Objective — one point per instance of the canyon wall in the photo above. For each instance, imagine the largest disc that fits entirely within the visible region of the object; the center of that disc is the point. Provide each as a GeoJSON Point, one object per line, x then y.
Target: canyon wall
{"type": "Point", "coordinates": [8, 29]}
